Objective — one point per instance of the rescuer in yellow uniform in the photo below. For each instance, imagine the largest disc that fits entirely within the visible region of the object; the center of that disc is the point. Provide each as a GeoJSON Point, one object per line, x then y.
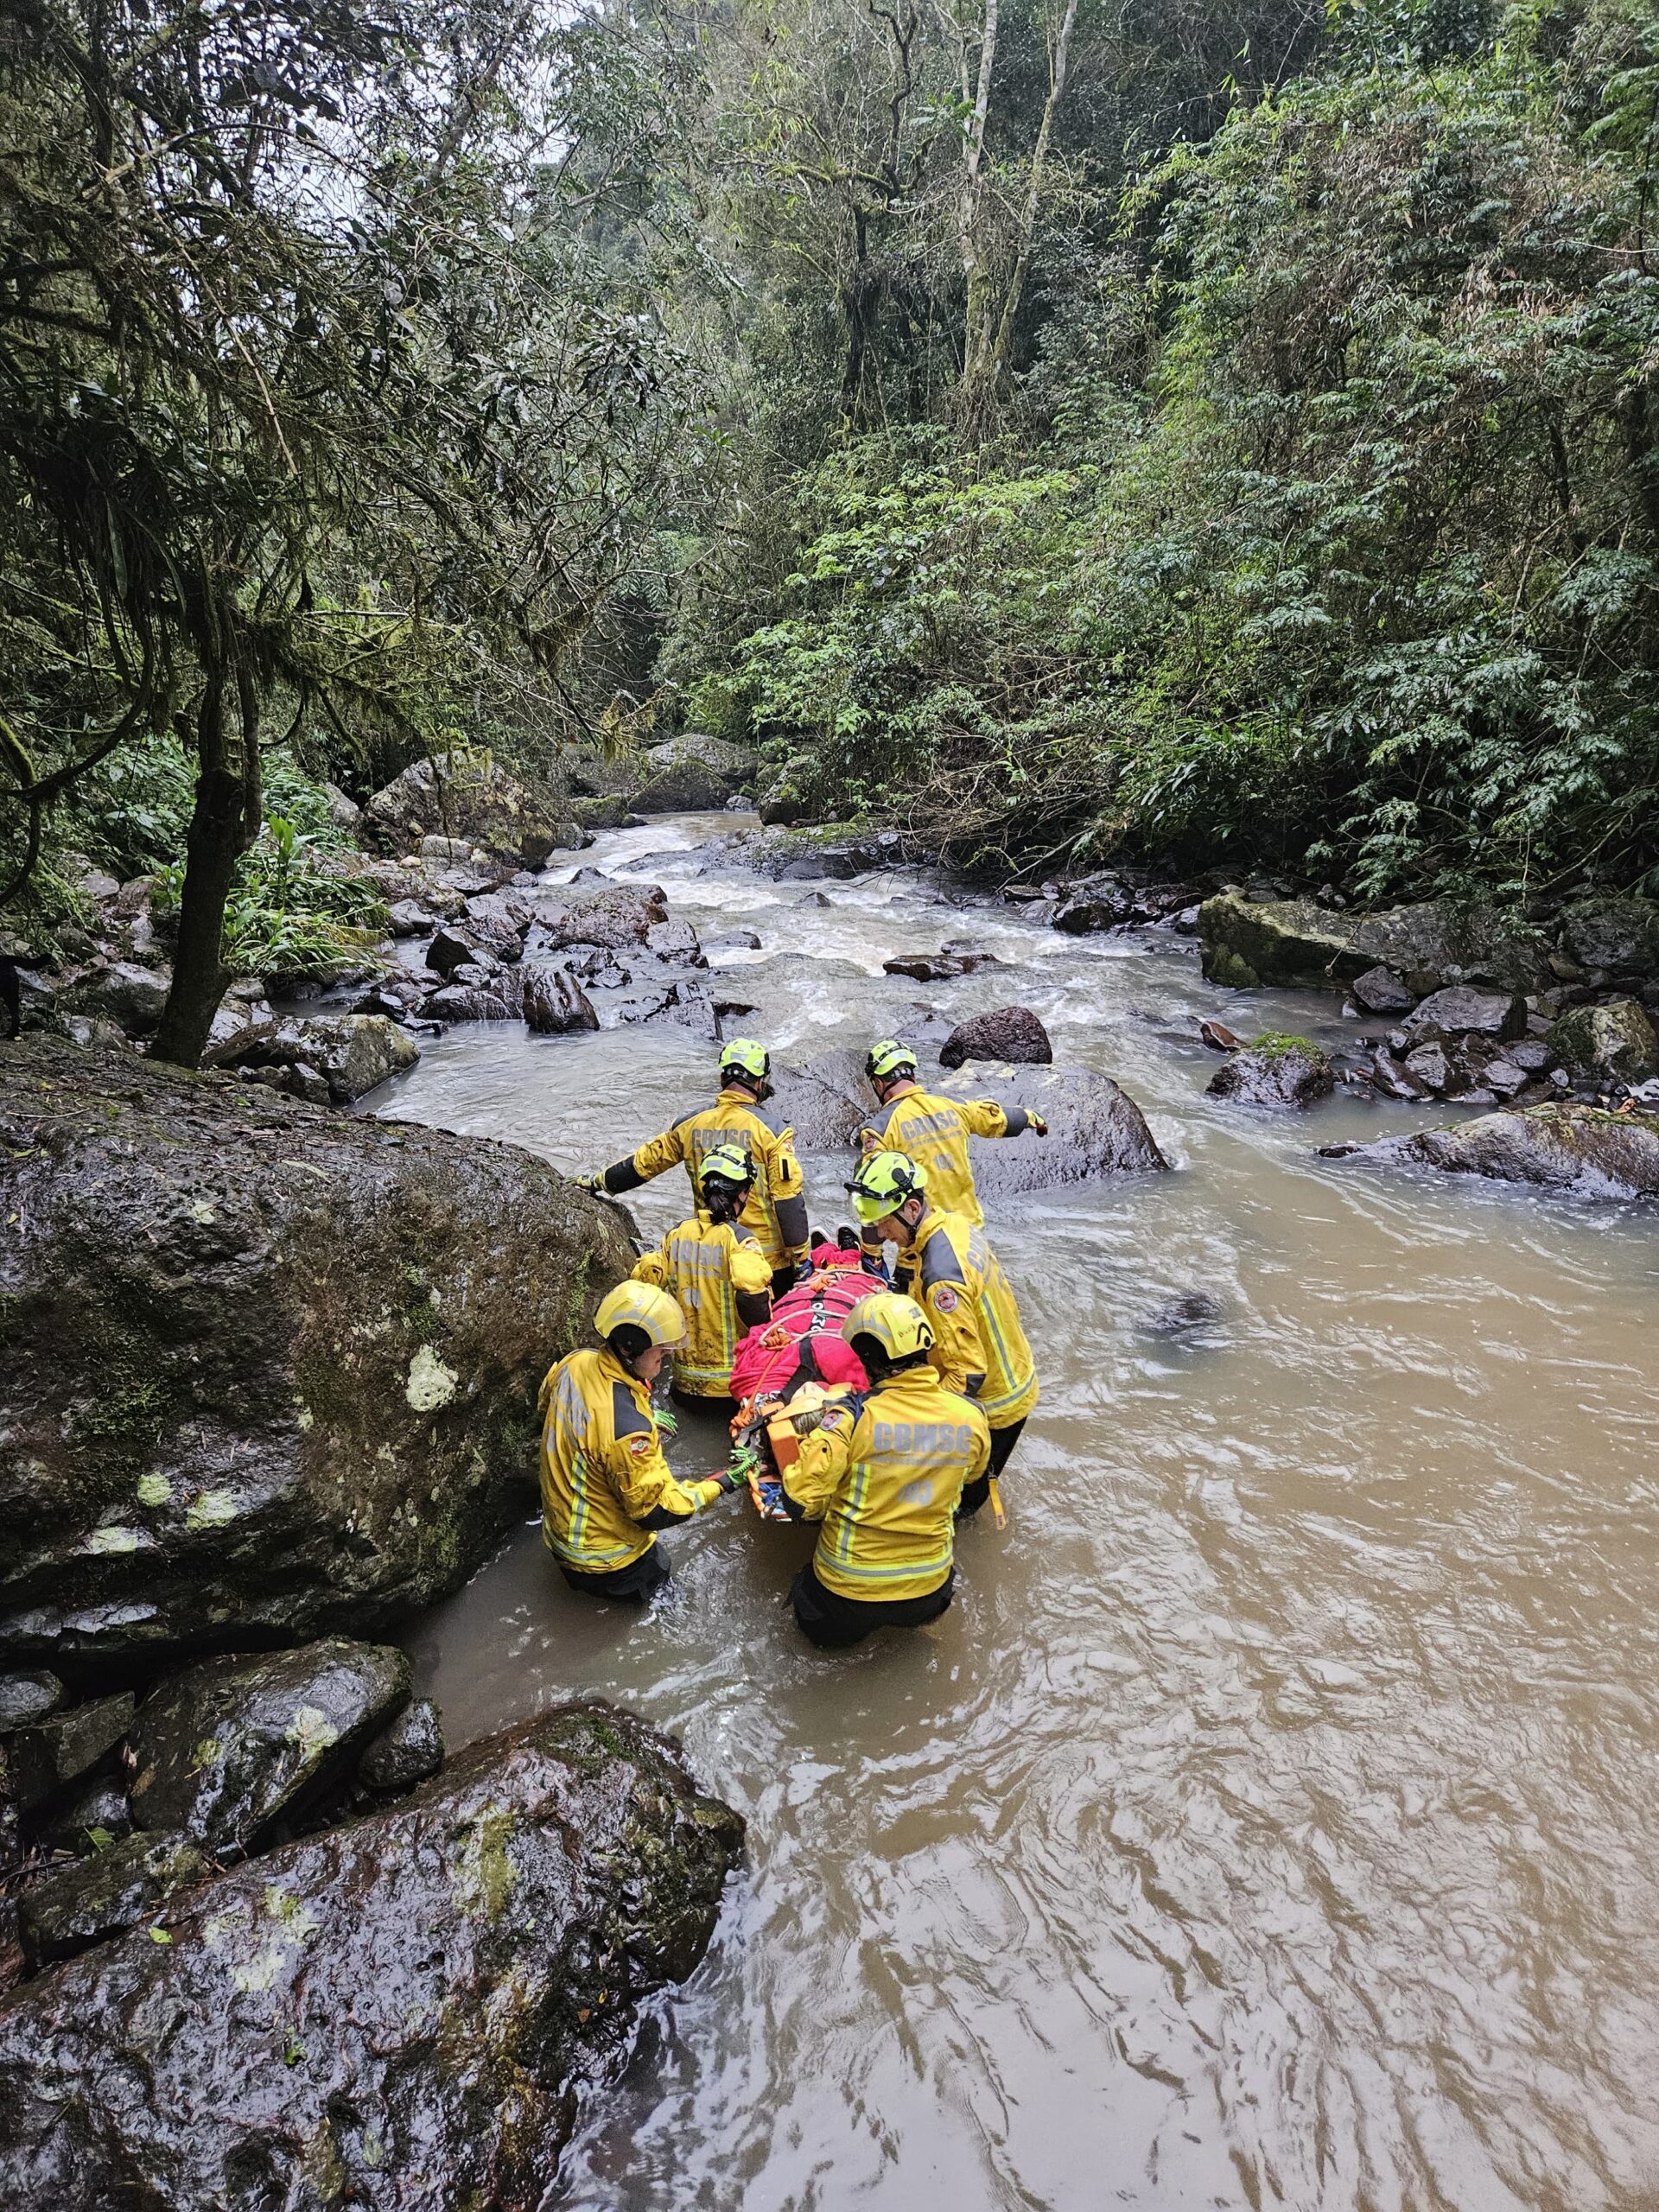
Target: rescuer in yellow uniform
{"type": "Point", "coordinates": [605, 1487]}
{"type": "Point", "coordinates": [884, 1472]}
{"type": "Point", "coordinates": [934, 1130]}
{"type": "Point", "coordinates": [946, 1264]}
{"type": "Point", "coordinates": [775, 1211]}
{"type": "Point", "coordinates": [716, 1273]}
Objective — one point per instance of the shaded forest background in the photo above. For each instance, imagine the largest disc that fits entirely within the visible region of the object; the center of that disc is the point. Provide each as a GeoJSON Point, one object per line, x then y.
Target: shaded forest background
{"type": "Point", "coordinates": [1221, 431]}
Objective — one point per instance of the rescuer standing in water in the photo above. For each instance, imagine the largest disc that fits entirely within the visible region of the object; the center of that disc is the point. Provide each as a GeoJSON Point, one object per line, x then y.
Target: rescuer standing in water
{"type": "Point", "coordinates": [934, 1130]}
{"type": "Point", "coordinates": [946, 1264]}
{"type": "Point", "coordinates": [713, 1269]}
{"type": "Point", "coordinates": [605, 1487]}
{"type": "Point", "coordinates": [884, 1471]}
{"type": "Point", "coordinates": [775, 1210]}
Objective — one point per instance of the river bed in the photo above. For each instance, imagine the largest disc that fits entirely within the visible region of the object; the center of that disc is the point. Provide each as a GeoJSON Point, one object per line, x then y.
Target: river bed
{"type": "Point", "coordinates": [1271, 1820]}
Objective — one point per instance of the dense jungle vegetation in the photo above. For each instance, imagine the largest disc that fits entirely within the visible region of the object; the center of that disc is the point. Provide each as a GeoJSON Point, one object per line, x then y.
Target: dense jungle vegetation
{"type": "Point", "coordinates": [1219, 431]}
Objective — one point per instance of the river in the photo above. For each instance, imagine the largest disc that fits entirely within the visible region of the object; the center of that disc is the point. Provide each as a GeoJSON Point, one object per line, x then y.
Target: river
{"type": "Point", "coordinates": [1272, 1820]}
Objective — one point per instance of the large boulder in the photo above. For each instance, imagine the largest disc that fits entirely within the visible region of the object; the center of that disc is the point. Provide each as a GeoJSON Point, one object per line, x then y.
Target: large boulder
{"type": "Point", "coordinates": [269, 1371]}
{"type": "Point", "coordinates": [102, 1896]}
{"type": "Point", "coordinates": [125, 992]}
{"type": "Point", "coordinates": [351, 1053]}
{"type": "Point", "coordinates": [1095, 1128]}
{"type": "Point", "coordinates": [1573, 1148]}
{"type": "Point", "coordinates": [228, 1748]}
{"type": "Point", "coordinates": [471, 797]}
{"type": "Point", "coordinates": [826, 1100]}
{"type": "Point", "coordinates": [1011, 1034]}
{"type": "Point", "coordinates": [555, 1004]}
{"type": "Point", "coordinates": [691, 774]}
{"type": "Point", "coordinates": [1618, 936]}
{"type": "Point", "coordinates": [1247, 942]}
{"type": "Point", "coordinates": [1275, 1070]}
{"type": "Point", "coordinates": [615, 916]}
{"type": "Point", "coordinates": [1615, 1042]}
{"type": "Point", "coordinates": [398, 2015]}
{"type": "Point", "coordinates": [1461, 1010]}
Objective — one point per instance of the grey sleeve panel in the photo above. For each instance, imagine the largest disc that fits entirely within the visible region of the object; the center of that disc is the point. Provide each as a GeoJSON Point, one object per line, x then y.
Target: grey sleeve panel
{"type": "Point", "coordinates": [627, 1420]}
{"type": "Point", "coordinates": [774, 1122]}
{"type": "Point", "coordinates": [939, 1261]}
{"type": "Point", "coordinates": [1017, 1118]}
{"type": "Point", "coordinates": [685, 1118]}
{"type": "Point", "coordinates": [791, 1219]}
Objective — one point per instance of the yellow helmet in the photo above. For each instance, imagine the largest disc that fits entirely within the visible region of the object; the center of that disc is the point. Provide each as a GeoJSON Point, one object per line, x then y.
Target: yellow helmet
{"type": "Point", "coordinates": [882, 1184]}
{"type": "Point", "coordinates": [897, 1325]}
{"type": "Point", "coordinates": [743, 1056]}
{"type": "Point", "coordinates": [727, 1163]}
{"type": "Point", "coordinates": [888, 1057]}
{"type": "Point", "coordinates": [640, 1306]}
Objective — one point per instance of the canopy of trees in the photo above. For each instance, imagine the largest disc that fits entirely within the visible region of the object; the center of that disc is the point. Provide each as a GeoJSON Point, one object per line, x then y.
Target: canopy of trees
{"type": "Point", "coordinates": [1221, 429]}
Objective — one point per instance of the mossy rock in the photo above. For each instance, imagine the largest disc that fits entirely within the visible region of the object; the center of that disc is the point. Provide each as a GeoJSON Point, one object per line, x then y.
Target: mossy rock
{"type": "Point", "coordinates": [1278, 1070]}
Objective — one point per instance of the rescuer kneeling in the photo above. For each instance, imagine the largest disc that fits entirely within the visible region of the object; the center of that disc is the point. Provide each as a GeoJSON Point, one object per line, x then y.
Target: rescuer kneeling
{"type": "Point", "coordinates": [884, 1472]}
{"type": "Point", "coordinates": [712, 1266]}
{"type": "Point", "coordinates": [605, 1487]}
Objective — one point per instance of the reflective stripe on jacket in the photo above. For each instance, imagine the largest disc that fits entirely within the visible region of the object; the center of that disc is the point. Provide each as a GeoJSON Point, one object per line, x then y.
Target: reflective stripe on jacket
{"type": "Point", "coordinates": [775, 1210]}
{"type": "Point", "coordinates": [606, 1486]}
{"type": "Point", "coordinates": [712, 1268]}
{"type": "Point", "coordinates": [979, 1346]}
{"type": "Point", "coordinates": [933, 1131]}
{"type": "Point", "coordinates": [884, 1473]}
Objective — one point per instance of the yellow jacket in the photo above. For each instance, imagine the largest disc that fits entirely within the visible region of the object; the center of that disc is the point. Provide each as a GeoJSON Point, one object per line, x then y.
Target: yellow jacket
{"type": "Point", "coordinates": [884, 1473]}
{"type": "Point", "coordinates": [775, 1212]}
{"type": "Point", "coordinates": [605, 1486]}
{"type": "Point", "coordinates": [933, 1131]}
{"type": "Point", "coordinates": [721, 1278]}
{"type": "Point", "coordinates": [979, 1347]}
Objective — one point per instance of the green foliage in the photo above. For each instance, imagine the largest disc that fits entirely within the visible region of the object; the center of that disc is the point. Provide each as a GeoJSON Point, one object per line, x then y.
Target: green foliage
{"type": "Point", "coordinates": [287, 913]}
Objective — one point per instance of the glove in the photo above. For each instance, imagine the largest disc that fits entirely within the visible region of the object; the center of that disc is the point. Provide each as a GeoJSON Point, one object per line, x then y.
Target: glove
{"type": "Point", "coordinates": [667, 1420]}
{"type": "Point", "coordinates": [803, 1270]}
{"type": "Point", "coordinates": [1037, 1123]}
{"type": "Point", "coordinates": [729, 1479]}
{"type": "Point", "coordinates": [592, 1181]}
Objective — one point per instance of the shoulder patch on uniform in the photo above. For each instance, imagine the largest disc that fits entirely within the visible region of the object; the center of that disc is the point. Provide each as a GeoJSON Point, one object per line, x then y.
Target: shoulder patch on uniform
{"type": "Point", "coordinates": [641, 1447]}
{"type": "Point", "coordinates": [627, 1420]}
{"type": "Point", "coordinates": [944, 1298]}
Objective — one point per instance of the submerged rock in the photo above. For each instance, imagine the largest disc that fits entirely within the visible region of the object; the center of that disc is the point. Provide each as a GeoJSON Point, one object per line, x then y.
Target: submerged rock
{"type": "Point", "coordinates": [1012, 1034]}
{"type": "Point", "coordinates": [269, 1371]}
{"type": "Point", "coordinates": [1246, 943]}
{"type": "Point", "coordinates": [937, 967]}
{"type": "Point", "coordinates": [1615, 1042]}
{"type": "Point", "coordinates": [1275, 1070]}
{"type": "Point", "coordinates": [398, 2015]}
{"type": "Point", "coordinates": [228, 1748]}
{"type": "Point", "coordinates": [1095, 1128]}
{"type": "Point", "coordinates": [1573, 1148]}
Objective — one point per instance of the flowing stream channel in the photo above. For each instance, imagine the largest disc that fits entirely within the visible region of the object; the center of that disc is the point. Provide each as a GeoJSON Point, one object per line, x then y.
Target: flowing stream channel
{"type": "Point", "coordinates": [1273, 1819]}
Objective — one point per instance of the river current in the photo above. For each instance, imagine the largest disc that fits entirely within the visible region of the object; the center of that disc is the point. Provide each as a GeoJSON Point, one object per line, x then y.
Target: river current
{"type": "Point", "coordinates": [1274, 1820]}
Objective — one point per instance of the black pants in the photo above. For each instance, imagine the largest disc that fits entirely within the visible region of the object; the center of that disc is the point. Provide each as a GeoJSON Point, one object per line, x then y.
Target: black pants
{"type": "Point", "coordinates": [974, 1494]}
{"type": "Point", "coordinates": [725, 1407]}
{"type": "Point", "coordinates": [640, 1579]}
{"type": "Point", "coordinates": [832, 1622]}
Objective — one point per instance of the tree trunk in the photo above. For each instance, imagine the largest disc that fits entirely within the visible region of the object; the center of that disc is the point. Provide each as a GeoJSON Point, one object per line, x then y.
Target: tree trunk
{"type": "Point", "coordinates": [1059, 55]}
{"type": "Point", "coordinates": [979, 320]}
{"type": "Point", "coordinates": [220, 834]}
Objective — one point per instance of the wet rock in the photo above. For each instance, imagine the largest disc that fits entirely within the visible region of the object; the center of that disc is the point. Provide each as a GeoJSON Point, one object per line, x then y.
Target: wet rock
{"type": "Point", "coordinates": [938, 967]}
{"type": "Point", "coordinates": [1275, 1070]}
{"type": "Point", "coordinates": [1180, 1316]}
{"type": "Point", "coordinates": [1219, 1038]}
{"type": "Point", "coordinates": [500, 919]}
{"type": "Point", "coordinates": [1461, 1010]}
{"type": "Point", "coordinates": [230, 1747]}
{"type": "Point", "coordinates": [1012, 1034]}
{"type": "Point", "coordinates": [94, 1034]}
{"type": "Point", "coordinates": [471, 797]}
{"type": "Point", "coordinates": [1615, 935]}
{"type": "Point", "coordinates": [1095, 1128]}
{"type": "Point", "coordinates": [48, 1755]}
{"type": "Point", "coordinates": [454, 947]}
{"type": "Point", "coordinates": [1379, 990]}
{"type": "Point", "coordinates": [1393, 1079]}
{"type": "Point", "coordinates": [353, 1053]}
{"type": "Point", "coordinates": [343, 811]}
{"type": "Point", "coordinates": [1556, 1148]}
{"type": "Point", "coordinates": [677, 942]}
{"type": "Point", "coordinates": [1431, 1067]}
{"type": "Point", "coordinates": [89, 1819]}
{"type": "Point", "coordinates": [28, 1697]}
{"type": "Point", "coordinates": [407, 1751]}
{"type": "Point", "coordinates": [461, 1002]}
{"type": "Point", "coordinates": [615, 918]}
{"type": "Point", "coordinates": [236, 1026]}
{"type": "Point", "coordinates": [1102, 902]}
{"type": "Point", "coordinates": [122, 991]}
{"type": "Point", "coordinates": [610, 812]}
{"type": "Point", "coordinates": [735, 941]}
{"type": "Point", "coordinates": [1531, 1054]}
{"type": "Point", "coordinates": [269, 1372]}
{"type": "Point", "coordinates": [1503, 1079]}
{"type": "Point", "coordinates": [1246, 943]}
{"type": "Point", "coordinates": [1614, 1041]}
{"type": "Point", "coordinates": [555, 1004]}
{"type": "Point", "coordinates": [826, 1100]}
{"type": "Point", "coordinates": [398, 2014]}
{"type": "Point", "coordinates": [74, 1908]}
{"type": "Point", "coordinates": [691, 774]}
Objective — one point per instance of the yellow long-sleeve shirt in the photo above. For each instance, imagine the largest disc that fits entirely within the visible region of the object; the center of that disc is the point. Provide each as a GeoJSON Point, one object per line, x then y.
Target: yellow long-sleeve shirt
{"type": "Point", "coordinates": [979, 1346]}
{"type": "Point", "coordinates": [605, 1486]}
{"type": "Point", "coordinates": [775, 1211]}
{"type": "Point", "coordinates": [884, 1473]}
{"type": "Point", "coordinates": [723, 1282]}
{"type": "Point", "coordinates": [933, 1131]}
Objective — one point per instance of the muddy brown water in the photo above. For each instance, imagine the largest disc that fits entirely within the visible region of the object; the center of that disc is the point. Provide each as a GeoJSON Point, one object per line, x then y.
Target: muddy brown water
{"type": "Point", "coordinates": [1272, 1821]}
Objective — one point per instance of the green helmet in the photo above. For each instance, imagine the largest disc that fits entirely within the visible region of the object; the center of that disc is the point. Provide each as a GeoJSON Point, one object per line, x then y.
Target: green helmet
{"type": "Point", "coordinates": [889, 1057]}
{"type": "Point", "coordinates": [727, 1163]}
{"type": "Point", "coordinates": [882, 1184]}
{"type": "Point", "coordinates": [743, 1056]}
